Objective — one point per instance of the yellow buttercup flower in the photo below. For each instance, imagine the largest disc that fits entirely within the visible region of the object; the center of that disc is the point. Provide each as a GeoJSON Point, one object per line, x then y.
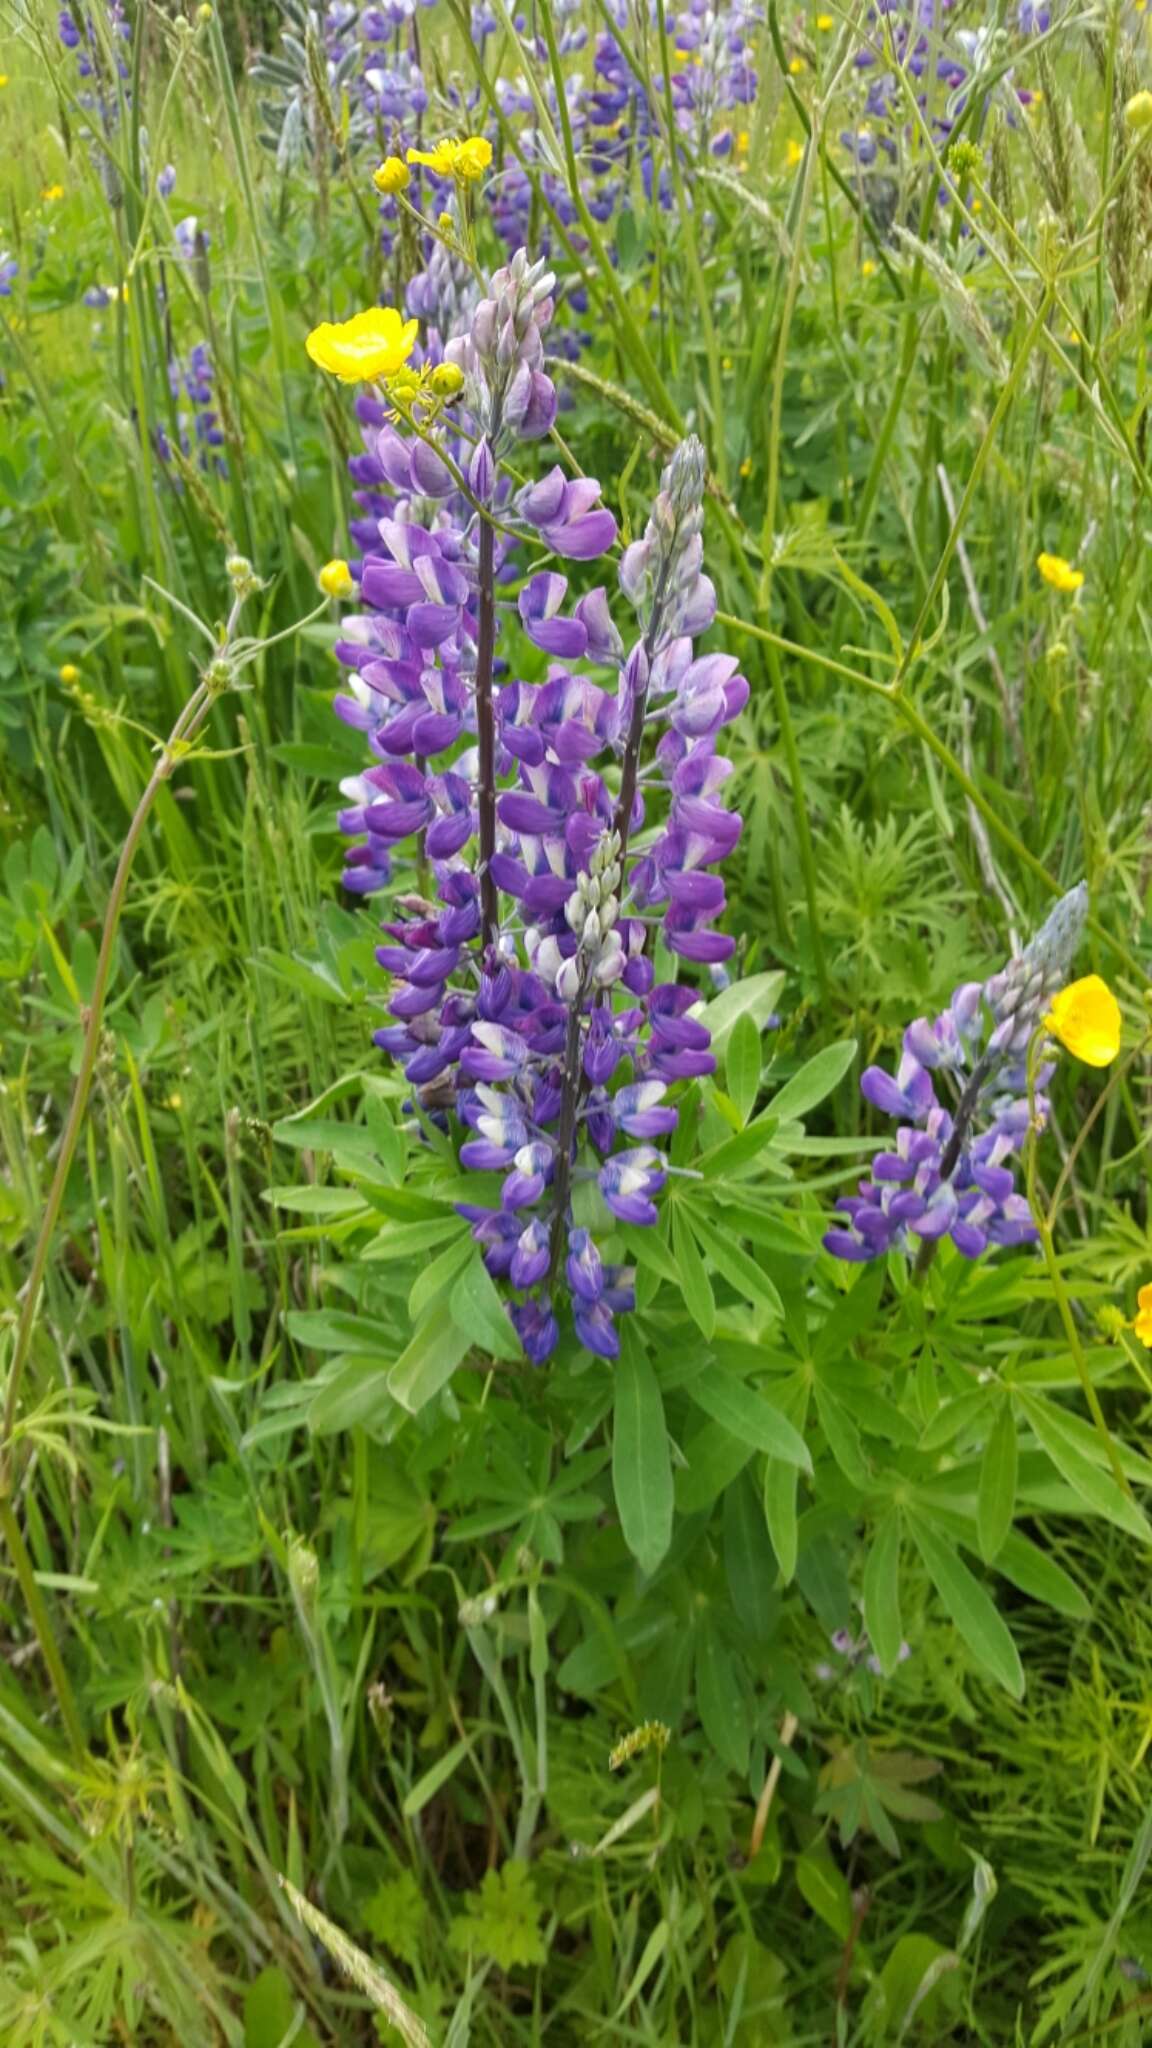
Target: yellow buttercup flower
{"type": "Point", "coordinates": [794, 154]}
{"type": "Point", "coordinates": [1142, 1322]}
{"type": "Point", "coordinates": [824, 22]}
{"type": "Point", "coordinates": [796, 66]}
{"type": "Point", "coordinates": [1085, 1017]}
{"type": "Point", "coordinates": [393, 175]}
{"type": "Point", "coordinates": [52, 192]}
{"type": "Point", "coordinates": [376, 343]}
{"type": "Point", "coordinates": [867, 268]}
{"type": "Point", "coordinates": [1059, 573]}
{"type": "Point", "coordinates": [69, 674]}
{"type": "Point", "coordinates": [3, 79]}
{"type": "Point", "coordinates": [467, 160]}
{"type": "Point", "coordinates": [335, 579]}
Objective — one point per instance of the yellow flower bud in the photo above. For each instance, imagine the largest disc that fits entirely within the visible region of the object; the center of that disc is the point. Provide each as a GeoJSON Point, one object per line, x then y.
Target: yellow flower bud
{"type": "Point", "coordinates": [445, 223]}
{"type": "Point", "coordinates": [1085, 1017]}
{"type": "Point", "coordinates": [204, 12]}
{"type": "Point", "coordinates": [69, 674]}
{"type": "Point", "coordinates": [335, 579]}
{"type": "Point", "coordinates": [393, 175]}
{"type": "Point", "coordinates": [1138, 112]}
{"type": "Point", "coordinates": [446, 379]}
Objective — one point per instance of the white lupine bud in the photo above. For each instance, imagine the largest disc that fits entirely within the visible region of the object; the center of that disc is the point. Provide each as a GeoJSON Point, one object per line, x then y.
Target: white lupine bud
{"type": "Point", "coordinates": [574, 909]}
{"type": "Point", "coordinates": [547, 960]}
{"type": "Point", "coordinates": [568, 981]}
{"type": "Point", "coordinates": [590, 936]}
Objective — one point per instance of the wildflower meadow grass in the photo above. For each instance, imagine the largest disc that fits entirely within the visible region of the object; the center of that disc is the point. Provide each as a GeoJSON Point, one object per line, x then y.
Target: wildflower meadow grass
{"type": "Point", "coordinates": [576, 1318]}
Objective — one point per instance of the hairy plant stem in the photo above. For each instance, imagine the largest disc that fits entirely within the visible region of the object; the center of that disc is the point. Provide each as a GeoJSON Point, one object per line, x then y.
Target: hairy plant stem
{"type": "Point", "coordinates": [486, 730]}
{"type": "Point", "coordinates": [635, 739]}
{"type": "Point", "coordinates": [566, 1134]}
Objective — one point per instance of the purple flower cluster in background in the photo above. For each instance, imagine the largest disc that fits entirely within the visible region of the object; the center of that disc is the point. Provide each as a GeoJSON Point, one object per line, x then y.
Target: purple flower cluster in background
{"type": "Point", "coordinates": [557, 830]}
{"type": "Point", "coordinates": [712, 74]}
{"type": "Point", "coordinates": [948, 1174]}
{"type": "Point", "coordinates": [200, 431]}
{"type": "Point", "coordinates": [78, 32]}
{"type": "Point", "coordinates": [919, 39]}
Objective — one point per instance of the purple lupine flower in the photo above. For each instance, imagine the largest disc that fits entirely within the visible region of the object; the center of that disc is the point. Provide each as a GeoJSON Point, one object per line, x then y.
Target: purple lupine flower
{"type": "Point", "coordinates": [199, 431]}
{"type": "Point", "coordinates": [9, 268]}
{"type": "Point", "coordinates": [948, 1173]}
{"type": "Point", "coordinates": [523, 998]}
{"type": "Point", "coordinates": [166, 181]}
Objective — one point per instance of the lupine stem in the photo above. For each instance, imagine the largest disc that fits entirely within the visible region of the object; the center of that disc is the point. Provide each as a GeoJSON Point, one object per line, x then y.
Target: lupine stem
{"type": "Point", "coordinates": [566, 1133]}
{"type": "Point", "coordinates": [486, 730]}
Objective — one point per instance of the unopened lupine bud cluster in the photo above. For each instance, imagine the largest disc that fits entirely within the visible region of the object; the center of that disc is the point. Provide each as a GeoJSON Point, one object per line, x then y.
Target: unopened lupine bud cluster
{"type": "Point", "coordinates": [949, 1174]}
{"type": "Point", "coordinates": [506, 388]}
{"type": "Point", "coordinates": [524, 997]}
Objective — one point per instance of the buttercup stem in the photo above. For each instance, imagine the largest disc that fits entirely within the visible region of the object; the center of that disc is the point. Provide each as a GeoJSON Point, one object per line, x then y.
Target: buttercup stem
{"type": "Point", "coordinates": [1052, 1266]}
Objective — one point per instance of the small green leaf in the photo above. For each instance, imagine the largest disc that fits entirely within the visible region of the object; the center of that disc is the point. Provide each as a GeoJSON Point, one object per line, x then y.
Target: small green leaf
{"type": "Point", "coordinates": [429, 1361]}
{"type": "Point", "coordinates": [355, 1396]}
{"type": "Point", "coordinates": [427, 1787]}
{"type": "Point", "coordinates": [695, 1285]}
{"type": "Point", "coordinates": [1037, 1574]}
{"type": "Point", "coordinates": [743, 1272]}
{"type": "Point", "coordinates": [882, 1593]}
{"type": "Point", "coordinates": [780, 1483]}
{"type": "Point", "coordinates": [996, 1499]}
{"type": "Point", "coordinates": [749, 1565]}
{"type": "Point", "coordinates": [750, 1416]}
{"type": "Point", "coordinates": [641, 1463]}
{"type": "Point", "coordinates": [434, 1281]}
{"type": "Point", "coordinates": [273, 2013]}
{"type": "Point", "coordinates": [743, 1065]}
{"type": "Point", "coordinates": [814, 1080]}
{"type": "Point", "coordinates": [1097, 1489]}
{"type": "Point", "coordinates": [970, 1607]}
{"type": "Point", "coordinates": [720, 1701]}
{"type": "Point", "coordinates": [824, 1887]}
{"type": "Point", "coordinates": [480, 1314]}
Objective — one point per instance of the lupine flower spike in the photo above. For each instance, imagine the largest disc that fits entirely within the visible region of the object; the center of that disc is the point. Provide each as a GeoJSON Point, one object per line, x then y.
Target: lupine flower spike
{"type": "Point", "coordinates": [948, 1175]}
{"type": "Point", "coordinates": [524, 995]}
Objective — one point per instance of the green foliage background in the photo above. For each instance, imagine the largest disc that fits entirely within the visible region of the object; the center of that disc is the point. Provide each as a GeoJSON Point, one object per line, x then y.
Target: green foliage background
{"type": "Point", "coordinates": [354, 1606]}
